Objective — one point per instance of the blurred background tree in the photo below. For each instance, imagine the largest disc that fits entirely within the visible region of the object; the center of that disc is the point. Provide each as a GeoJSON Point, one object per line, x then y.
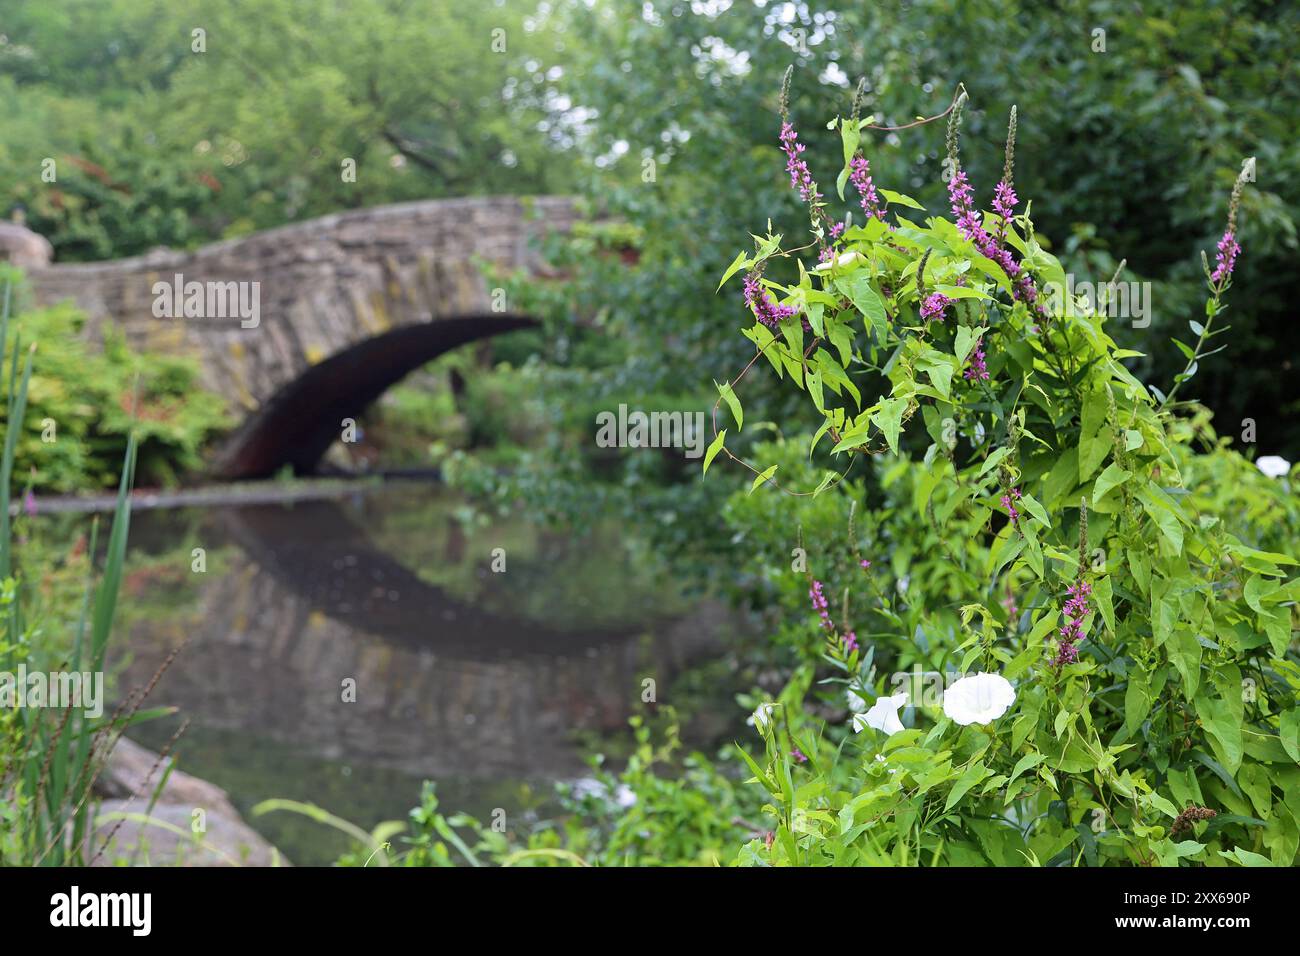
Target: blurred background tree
{"type": "Point", "coordinates": [1134, 118]}
{"type": "Point", "coordinates": [164, 137]}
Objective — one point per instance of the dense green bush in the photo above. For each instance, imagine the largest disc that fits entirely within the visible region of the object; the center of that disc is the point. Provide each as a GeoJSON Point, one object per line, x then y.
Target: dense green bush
{"type": "Point", "coordinates": [85, 398]}
{"type": "Point", "coordinates": [51, 755]}
{"type": "Point", "coordinates": [1103, 645]}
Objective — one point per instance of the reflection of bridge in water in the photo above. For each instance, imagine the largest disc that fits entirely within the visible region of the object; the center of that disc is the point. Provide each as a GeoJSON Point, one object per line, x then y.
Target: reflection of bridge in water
{"type": "Point", "coordinates": [442, 687]}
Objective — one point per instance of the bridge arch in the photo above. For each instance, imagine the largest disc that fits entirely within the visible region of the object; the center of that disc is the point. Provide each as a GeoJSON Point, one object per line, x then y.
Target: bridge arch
{"type": "Point", "coordinates": [297, 425]}
{"type": "Point", "coordinates": [347, 304]}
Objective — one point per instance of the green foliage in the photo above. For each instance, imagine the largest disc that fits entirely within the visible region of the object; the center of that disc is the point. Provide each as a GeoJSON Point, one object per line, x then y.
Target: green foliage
{"type": "Point", "coordinates": [1059, 476]}
{"type": "Point", "coordinates": [659, 810]}
{"type": "Point", "coordinates": [49, 761]}
{"type": "Point", "coordinates": [85, 399]}
{"type": "Point", "coordinates": [159, 143]}
{"type": "Point", "coordinates": [642, 816]}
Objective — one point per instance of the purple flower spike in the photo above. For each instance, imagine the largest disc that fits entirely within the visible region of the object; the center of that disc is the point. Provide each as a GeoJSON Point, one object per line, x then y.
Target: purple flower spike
{"type": "Point", "coordinates": [800, 177]}
{"type": "Point", "coordinates": [860, 177]}
{"type": "Point", "coordinates": [1009, 502]}
{"type": "Point", "coordinates": [976, 370]}
{"type": "Point", "coordinates": [1226, 258]}
{"type": "Point", "coordinates": [820, 605]}
{"type": "Point", "coordinates": [1076, 609]}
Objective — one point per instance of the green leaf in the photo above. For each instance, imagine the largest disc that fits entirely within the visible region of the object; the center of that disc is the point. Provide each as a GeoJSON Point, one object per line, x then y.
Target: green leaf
{"type": "Point", "coordinates": [1224, 729]}
{"type": "Point", "coordinates": [1216, 768]}
{"type": "Point", "coordinates": [816, 318]}
{"type": "Point", "coordinates": [1245, 857]}
{"type": "Point", "coordinates": [992, 460]}
{"type": "Point", "coordinates": [813, 381]}
{"type": "Point", "coordinates": [1112, 477]}
{"type": "Point", "coordinates": [1102, 592]}
{"type": "Point", "coordinates": [851, 138]}
{"type": "Point", "coordinates": [1289, 731]}
{"type": "Point", "coordinates": [1257, 591]}
{"type": "Point", "coordinates": [866, 300]}
{"type": "Point", "coordinates": [961, 292]}
{"type": "Point", "coordinates": [841, 335]}
{"type": "Point", "coordinates": [1094, 438]}
{"type": "Point", "coordinates": [898, 199]}
{"type": "Point", "coordinates": [973, 775]}
{"type": "Point", "coordinates": [758, 771]}
{"type": "Point", "coordinates": [1185, 653]}
{"type": "Point", "coordinates": [1137, 700]}
{"type": "Point", "coordinates": [1033, 550]}
{"type": "Point", "coordinates": [714, 447]}
{"type": "Point", "coordinates": [1037, 511]}
{"type": "Point", "coordinates": [889, 419]}
{"type": "Point", "coordinates": [1026, 762]}
{"type": "Point", "coordinates": [729, 396]}
{"type": "Point", "coordinates": [940, 370]}
{"type": "Point", "coordinates": [732, 269]}
{"type": "Point", "coordinates": [763, 476]}
{"type": "Point", "coordinates": [966, 339]}
{"type": "Point", "coordinates": [1164, 517]}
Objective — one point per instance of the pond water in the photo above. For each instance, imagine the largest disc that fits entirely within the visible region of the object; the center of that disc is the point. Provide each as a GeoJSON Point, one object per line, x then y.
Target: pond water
{"type": "Point", "coordinates": [495, 684]}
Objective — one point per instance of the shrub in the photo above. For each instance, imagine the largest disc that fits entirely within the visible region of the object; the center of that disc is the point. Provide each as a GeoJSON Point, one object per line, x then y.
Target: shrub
{"type": "Point", "coordinates": [85, 398]}
{"type": "Point", "coordinates": [1134, 701]}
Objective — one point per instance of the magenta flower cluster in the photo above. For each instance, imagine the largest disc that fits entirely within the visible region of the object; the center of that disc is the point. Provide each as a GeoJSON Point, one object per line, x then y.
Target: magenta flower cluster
{"type": "Point", "coordinates": [1076, 609]}
{"type": "Point", "coordinates": [1009, 502]}
{"type": "Point", "coordinates": [971, 227]}
{"type": "Point", "coordinates": [976, 370]}
{"type": "Point", "coordinates": [933, 306]}
{"type": "Point", "coordinates": [837, 230]}
{"type": "Point", "coordinates": [820, 605]}
{"type": "Point", "coordinates": [800, 176]}
{"type": "Point", "coordinates": [1226, 258]}
{"type": "Point", "coordinates": [1004, 204]}
{"type": "Point", "coordinates": [860, 177]}
{"type": "Point", "coordinates": [766, 309]}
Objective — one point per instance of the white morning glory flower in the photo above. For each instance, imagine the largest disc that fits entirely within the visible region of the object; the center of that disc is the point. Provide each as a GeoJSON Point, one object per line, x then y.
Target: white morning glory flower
{"type": "Point", "coordinates": [761, 717]}
{"type": "Point", "coordinates": [1273, 466]}
{"type": "Point", "coordinates": [883, 715]}
{"type": "Point", "coordinates": [978, 699]}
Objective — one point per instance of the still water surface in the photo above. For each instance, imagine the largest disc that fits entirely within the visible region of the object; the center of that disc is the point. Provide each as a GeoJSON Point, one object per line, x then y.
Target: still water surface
{"type": "Point", "coordinates": [493, 685]}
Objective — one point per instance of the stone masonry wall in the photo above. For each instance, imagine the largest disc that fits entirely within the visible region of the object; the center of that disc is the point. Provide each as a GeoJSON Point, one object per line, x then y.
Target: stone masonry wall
{"type": "Point", "coordinates": [325, 284]}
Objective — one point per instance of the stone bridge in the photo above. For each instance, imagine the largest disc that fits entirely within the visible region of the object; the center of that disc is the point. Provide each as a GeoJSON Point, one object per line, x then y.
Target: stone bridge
{"type": "Point", "coordinates": [346, 305]}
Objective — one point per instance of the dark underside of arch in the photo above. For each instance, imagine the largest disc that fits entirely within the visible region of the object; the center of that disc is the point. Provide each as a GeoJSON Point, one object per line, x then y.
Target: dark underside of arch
{"type": "Point", "coordinates": [298, 423]}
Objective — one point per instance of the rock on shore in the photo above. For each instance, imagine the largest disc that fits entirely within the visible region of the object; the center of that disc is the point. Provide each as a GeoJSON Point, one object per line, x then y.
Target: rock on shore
{"type": "Point", "coordinates": [125, 786]}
